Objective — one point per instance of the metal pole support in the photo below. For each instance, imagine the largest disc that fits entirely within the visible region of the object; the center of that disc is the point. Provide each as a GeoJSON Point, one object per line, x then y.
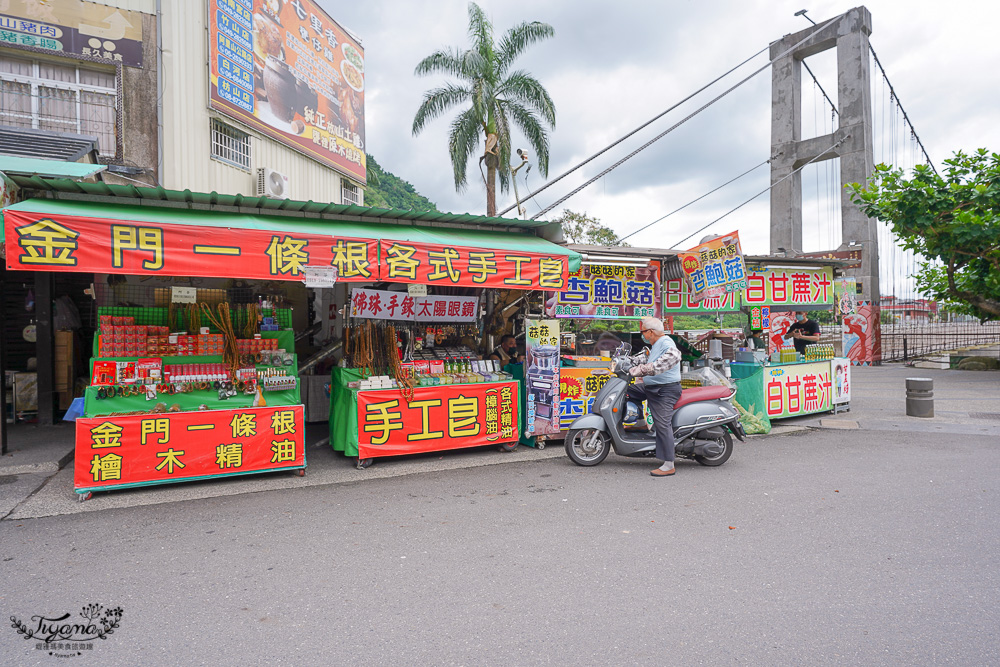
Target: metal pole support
{"type": "Point", "coordinates": [919, 397]}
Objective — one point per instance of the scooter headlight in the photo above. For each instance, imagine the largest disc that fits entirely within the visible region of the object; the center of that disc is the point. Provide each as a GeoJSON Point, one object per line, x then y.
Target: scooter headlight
{"type": "Point", "coordinates": [606, 403]}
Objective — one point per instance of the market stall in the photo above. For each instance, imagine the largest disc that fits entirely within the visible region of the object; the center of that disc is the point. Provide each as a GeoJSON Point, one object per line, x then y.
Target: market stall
{"type": "Point", "coordinates": [207, 378]}
{"type": "Point", "coordinates": [412, 379]}
{"type": "Point", "coordinates": [612, 285]}
{"type": "Point", "coordinates": [773, 380]}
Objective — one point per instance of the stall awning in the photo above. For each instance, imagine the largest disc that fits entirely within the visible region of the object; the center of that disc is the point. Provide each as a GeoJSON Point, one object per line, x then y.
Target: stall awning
{"type": "Point", "coordinates": [84, 236]}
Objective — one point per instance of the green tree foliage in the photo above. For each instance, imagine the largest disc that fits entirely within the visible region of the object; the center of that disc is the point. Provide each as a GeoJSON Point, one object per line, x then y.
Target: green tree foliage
{"type": "Point", "coordinates": [387, 190]}
{"type": "Point", "coordinates": [953, 220]}
{"type": "Point", "coordinates": [496, 97]}
{"type": "Point", "coordinates": [581, 228]}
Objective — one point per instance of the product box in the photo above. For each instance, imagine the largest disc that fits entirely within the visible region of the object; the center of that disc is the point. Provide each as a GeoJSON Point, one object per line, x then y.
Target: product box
{"type": "Point", "coordinates": [149, 368]}
{"type": "Point", "coordinates": [126, 372]}
{"type": "Point", "coordinates": [105, 373]}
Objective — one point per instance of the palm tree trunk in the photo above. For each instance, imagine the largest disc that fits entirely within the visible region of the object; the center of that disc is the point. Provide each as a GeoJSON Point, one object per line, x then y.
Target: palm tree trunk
{"type": "Point", "coordinates": [491, 190]}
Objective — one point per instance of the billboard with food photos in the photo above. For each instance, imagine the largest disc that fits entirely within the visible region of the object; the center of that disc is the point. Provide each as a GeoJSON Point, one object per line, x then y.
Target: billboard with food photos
{"type": "Point", "coordinates": [288, 70]}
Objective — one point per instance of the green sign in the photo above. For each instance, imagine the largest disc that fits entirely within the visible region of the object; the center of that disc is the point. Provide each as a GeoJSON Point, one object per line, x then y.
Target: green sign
{"type": "Point", "coordinates": [677, 299]}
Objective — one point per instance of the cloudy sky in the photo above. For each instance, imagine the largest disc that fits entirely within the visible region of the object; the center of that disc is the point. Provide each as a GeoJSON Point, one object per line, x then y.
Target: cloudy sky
{"type": "Point", "coordinates": [612, 66]}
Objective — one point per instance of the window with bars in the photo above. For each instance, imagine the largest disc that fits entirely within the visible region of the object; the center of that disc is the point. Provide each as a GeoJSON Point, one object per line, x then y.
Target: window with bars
{"type": "Point", "coordinates": [230, 145]}
{"type": "Point", "coordinates": [46, 95]}
{"type": "Point", "coordinates": [349, 193]}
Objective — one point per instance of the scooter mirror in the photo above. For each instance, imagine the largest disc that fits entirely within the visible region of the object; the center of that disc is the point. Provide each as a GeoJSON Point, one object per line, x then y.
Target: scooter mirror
{"type": "Point", "coordinates": [623, 350]}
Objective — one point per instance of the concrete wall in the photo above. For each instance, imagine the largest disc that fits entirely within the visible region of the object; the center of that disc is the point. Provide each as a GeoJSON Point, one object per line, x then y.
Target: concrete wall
{"type": "Point", "coordinates": [140, 147]}
{"type": "Point", "coordinates": [187, 162]}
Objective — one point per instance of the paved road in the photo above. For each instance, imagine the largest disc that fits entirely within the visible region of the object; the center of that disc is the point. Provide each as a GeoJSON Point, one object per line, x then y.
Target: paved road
{"type": "Point", "coordinates": [830, 547]}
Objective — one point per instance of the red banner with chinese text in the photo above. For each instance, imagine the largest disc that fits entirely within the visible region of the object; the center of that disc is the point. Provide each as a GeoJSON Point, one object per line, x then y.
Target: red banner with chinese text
{"type": "Point", "coordinates": [434, 264]}
{"type": "Point", "coordinates": [40, 242]}
{"type": "Point", "coordinates": [169, 447]}
{"type": "Point", "coordinates": [437, 419]}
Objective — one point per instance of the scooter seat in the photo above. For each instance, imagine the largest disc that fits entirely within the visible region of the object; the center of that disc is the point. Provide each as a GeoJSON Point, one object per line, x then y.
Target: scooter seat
{"type": "Point", "coordinates": [695, 394]}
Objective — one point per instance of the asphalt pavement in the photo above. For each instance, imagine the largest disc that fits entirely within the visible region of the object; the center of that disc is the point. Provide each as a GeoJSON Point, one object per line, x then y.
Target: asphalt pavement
{"type": "Point", "coordinates": [805, 549]}
{"type": "Point", "coordinates": [858, 545]}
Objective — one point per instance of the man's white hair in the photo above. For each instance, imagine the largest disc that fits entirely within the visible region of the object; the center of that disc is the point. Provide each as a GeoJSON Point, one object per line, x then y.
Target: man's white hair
{"type": "Point", "coordinates": [652, 323]}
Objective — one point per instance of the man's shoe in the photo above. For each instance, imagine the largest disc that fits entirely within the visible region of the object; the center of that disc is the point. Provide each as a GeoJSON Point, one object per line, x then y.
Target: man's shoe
{"type": "Point", "coordinates": [663, 473]}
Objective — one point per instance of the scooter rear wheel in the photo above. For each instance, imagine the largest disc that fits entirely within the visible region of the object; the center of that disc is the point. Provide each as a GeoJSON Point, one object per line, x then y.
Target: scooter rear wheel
{"type": "Point", "coordinates": [727, 450]}
{"type": "Point", "coordinates": [587, 447]}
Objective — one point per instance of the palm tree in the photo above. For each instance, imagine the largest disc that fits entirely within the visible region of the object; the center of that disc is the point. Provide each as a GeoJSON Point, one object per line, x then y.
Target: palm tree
{"type": "Point", "coordinates": [496, 97]}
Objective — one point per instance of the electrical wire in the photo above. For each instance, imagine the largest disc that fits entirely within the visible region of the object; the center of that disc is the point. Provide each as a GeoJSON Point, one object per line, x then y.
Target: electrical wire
{"type": "Point", "coordinates": [784, 178]}
{"type": "Point", "coordinates": [670, 129]}
{"type": "Point", "coordinates": [644, 125]}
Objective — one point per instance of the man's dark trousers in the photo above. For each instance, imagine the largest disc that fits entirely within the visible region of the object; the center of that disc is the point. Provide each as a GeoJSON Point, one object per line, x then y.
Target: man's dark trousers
{"type": "Point", "coordinates": [661, 399]}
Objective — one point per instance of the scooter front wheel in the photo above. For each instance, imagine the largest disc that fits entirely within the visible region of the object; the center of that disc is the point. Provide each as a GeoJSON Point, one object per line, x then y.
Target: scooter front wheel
{"type": "Point", "coordinates": [587, 447]}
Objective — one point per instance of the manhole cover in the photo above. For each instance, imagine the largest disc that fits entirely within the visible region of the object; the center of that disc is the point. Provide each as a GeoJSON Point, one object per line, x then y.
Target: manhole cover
{"type": "Point", "coordinates": [985, 415]}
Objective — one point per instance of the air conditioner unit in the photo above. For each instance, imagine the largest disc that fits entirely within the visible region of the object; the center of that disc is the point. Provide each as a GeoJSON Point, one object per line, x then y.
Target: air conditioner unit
{"type": "Point", "coordinates": [271, 183]}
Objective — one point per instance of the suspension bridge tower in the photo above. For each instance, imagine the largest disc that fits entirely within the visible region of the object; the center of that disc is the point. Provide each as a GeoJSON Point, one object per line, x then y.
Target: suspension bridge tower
{"type": "Point", "coordinates": [852, 141]}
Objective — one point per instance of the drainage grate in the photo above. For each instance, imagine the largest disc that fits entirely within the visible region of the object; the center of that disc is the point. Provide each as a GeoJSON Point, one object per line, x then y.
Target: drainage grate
{"type": "Point", "coordinates": [985, 415]}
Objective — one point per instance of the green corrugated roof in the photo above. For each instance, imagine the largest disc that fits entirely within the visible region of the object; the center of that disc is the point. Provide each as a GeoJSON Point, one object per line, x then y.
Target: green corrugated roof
{"type": "Point", "coordinates": [503, 240]}
{"type": "Point", "coordinates": [265, 204]}
{"type": "Point", "coordinates": [26, 167]}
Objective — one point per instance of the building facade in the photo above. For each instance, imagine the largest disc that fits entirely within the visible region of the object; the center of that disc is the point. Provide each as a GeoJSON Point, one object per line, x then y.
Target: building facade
{"type": "Point", "coordinates": [127, 83]}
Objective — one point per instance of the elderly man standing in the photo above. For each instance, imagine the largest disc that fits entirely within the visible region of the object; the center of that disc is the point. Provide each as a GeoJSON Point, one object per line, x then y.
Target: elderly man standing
{"type": "Point", "coordinates": [660, 387]}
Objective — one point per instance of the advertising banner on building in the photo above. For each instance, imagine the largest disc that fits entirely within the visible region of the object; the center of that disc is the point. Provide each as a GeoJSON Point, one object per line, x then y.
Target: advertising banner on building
{"type": "Point", "coordinates": [577, 388]}
{"type": "Point", "coordinates": [35, 241]}
{"type": "Point", "coordinates": [715, 267]}
{"type": "Point", "coordinates": [434, 264]}
{"type": "Point", "coordinates": [290, 71]}
{"type": "Point", "coordinates": [401, 307]}
{"type": "Point", "coordinates": [798, 389]}
{"type": "Point", "coordinates": [678, 299]}
{"type": "Point", "coordinates": [782, 286]}
{"type": "Point", "coordinates": [436, 418]}
{"type": "Point", "coordinates": [541, 377]}
{"type": "Point", "coordinates": [608, 292]}
{"type": "Point", "coordinates": [175, 446]}
{"type": "Point", "coordinates": [73, 28]}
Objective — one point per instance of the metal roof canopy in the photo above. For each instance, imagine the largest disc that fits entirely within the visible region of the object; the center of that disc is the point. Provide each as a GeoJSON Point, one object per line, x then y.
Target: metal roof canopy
{"type": "Point", "coordinates": [24, 167]}
{"type": "Point", "coordinates": [58, 146]}
{"type": "Point", "coordinates": [67, 189]}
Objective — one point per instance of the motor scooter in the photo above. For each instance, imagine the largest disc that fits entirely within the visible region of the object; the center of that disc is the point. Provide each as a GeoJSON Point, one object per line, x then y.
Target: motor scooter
{"type": "Point", "coordinates": [704, 422]}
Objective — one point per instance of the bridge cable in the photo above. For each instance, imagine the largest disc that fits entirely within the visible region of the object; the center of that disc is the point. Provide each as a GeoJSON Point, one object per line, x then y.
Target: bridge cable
{"type": "Point", "coordinates": [693, 201]}
{"type": "Point", "coordinates": [644, 125]}
{"type": "Point", "coordinates": [683, 120]}
{"type": "Point", "coordinates": [783, 178]}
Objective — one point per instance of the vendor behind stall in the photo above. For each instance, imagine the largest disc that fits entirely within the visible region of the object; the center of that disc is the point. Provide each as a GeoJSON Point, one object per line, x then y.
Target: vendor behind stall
{"type": "Point", "coordinates": [755, 338]}
{"type": "Point", "coordinates": [506, 351]}
{"type": "Point", "coordinates": [804, 331]}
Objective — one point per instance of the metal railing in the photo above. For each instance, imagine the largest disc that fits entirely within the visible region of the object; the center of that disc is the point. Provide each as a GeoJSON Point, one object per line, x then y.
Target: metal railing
{"type": "Point", "coordinates": [61, 110]}
{"type": "Point", "coordinates": [902, 342]}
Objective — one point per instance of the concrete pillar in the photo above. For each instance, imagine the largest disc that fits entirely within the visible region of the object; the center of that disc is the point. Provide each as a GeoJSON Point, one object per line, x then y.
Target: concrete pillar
{"type": "Point", "coordinates": [786, 131]}
{"type": "Point", "coordinates": [849, 34]}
